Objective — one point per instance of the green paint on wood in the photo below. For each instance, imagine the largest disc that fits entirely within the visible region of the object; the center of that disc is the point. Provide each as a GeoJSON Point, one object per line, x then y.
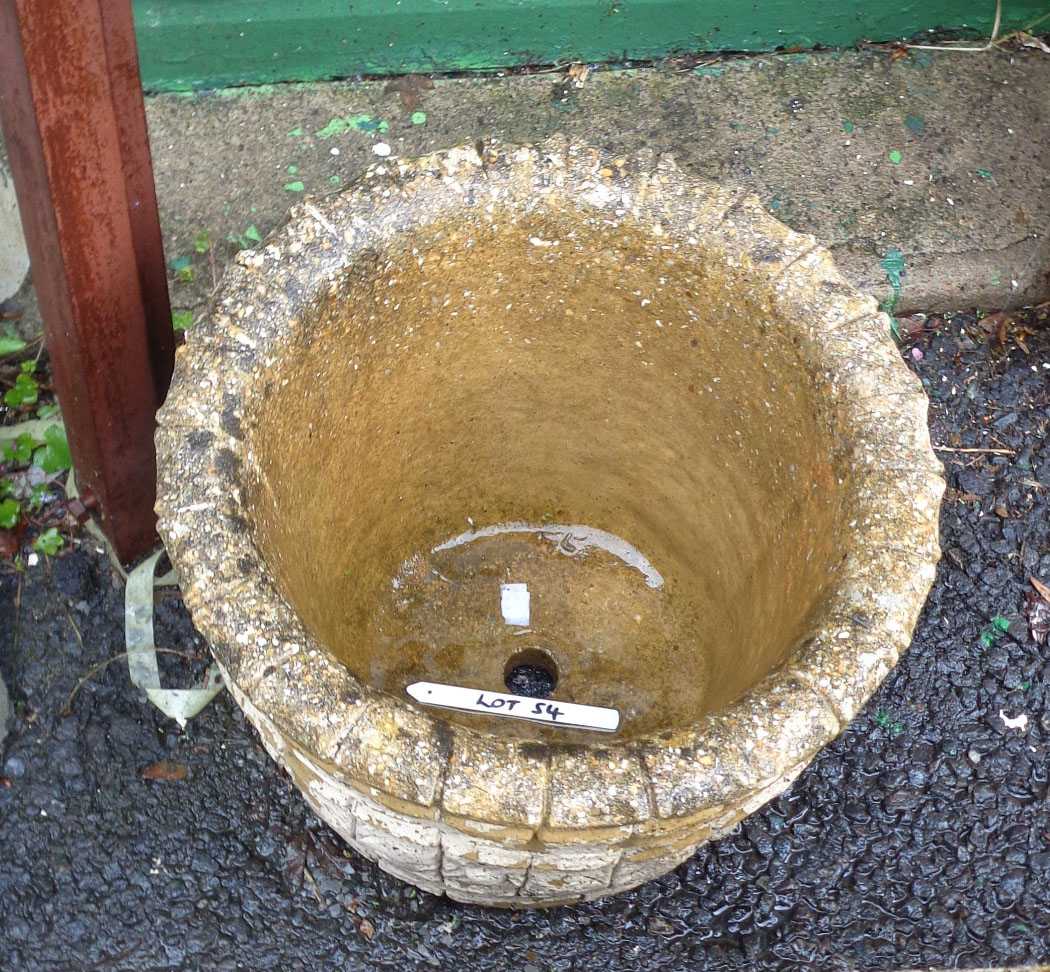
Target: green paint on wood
{"type": "Point", "coordinates": [894, 265]}
{"type": "Point", "coordinates": [190, 44]}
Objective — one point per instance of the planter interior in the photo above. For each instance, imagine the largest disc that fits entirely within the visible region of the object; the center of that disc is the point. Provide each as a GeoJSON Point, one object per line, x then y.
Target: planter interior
{"type": "Point", "coordinates": [527, 376]}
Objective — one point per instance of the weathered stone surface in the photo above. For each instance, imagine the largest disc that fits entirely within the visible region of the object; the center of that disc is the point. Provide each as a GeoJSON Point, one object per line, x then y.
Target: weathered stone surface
{"type": "Point", "coordinates": [479, 815]}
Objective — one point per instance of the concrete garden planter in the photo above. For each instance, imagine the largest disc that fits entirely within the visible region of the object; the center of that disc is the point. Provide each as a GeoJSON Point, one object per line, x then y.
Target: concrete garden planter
{"type": "Point", "coordinates": [553, 430]}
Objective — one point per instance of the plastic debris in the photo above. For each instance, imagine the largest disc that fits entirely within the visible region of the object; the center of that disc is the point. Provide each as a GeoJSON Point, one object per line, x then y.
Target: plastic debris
{"type": "Point", "coordinates": [1015, 722]}
{"type": "Point", "coordinates": [178, 704]}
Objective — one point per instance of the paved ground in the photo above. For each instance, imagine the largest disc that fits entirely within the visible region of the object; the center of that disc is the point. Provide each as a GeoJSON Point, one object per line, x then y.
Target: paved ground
{"type": "Point", "coordinates": [945, 157]}
{"type": "Point", "coordinates": [921, 837]}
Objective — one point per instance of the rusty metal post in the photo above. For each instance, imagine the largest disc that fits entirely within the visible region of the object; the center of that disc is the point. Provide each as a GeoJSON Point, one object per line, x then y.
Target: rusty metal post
{"type": "Point", "coordinates": [75, 128]}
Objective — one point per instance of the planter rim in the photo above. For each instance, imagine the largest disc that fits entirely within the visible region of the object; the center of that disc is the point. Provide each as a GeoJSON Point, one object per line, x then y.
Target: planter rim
{"type": "Point", "coordinates": [410, 759]}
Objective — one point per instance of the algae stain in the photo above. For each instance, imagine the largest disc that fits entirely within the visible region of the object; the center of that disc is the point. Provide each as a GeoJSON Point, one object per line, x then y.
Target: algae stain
{"type": "Point", "coordinates": [358, 123]}
{"type": "Point", "coordinates": [296, 186]}
{"type": "Point", "coordinates": [895, 157]}
{"type": "Point", "coordinates": [914, 124]}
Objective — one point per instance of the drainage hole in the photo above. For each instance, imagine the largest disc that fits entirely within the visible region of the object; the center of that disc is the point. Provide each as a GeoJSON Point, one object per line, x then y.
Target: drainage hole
{"type": "Point", "coordinates": [532, 673]}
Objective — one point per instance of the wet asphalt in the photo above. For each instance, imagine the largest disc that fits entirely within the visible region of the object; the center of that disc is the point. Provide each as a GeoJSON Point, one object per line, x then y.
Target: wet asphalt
{"type": "Point", "coordinates": [920, 837]}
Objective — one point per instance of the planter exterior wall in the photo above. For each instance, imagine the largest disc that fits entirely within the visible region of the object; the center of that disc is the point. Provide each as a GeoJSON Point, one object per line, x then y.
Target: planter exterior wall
{"type": "Point", "coordinates": [488, 818]}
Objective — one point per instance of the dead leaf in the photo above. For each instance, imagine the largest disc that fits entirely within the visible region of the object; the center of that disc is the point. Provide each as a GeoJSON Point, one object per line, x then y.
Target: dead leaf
{"type": "Point", "coordinates": [295, 859]}
{"type": "Point", "coordinates": [1027, 40]}
{"type": "Point", "coordinates": [330, 858]}
{"type": "Point", "coordinates": [1038, 612]}
{"type": "Point", "coordinates": [996, 324]}
{"type": "Point", "coordinates": [164, 770]}
{"type": "Point", "coordinates": [11, 541]}
{"type": "Point", "coordinates": [366, 928]}
{"type": "Point", "coordinates": [579, 72]}
{"type": "Point", "coordinates": [408, 86]}
{"type": "Point", "coordinates": [911, 324]}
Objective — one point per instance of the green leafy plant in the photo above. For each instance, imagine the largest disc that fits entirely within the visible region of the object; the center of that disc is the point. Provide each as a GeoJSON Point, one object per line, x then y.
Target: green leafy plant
{"type": "Point", "coordinates": [21, 449]}
{"type": "Point", "coordinates": [37, 497]}
{"type": "Point", "coordinates": [10, 344]}
{"type": "Point", "coordinates": [182, 320]}
{"type": "Point", "coordinates": [245, 239]}
{"type": "Point", "coordinates": [181, 266]}
{"type": "Point", "coordinates": [49, 542]}
{"type": "Point", "coordinates": [10, 514]}
{"type": "Point", "coordinates": [202, 240]}
{"type": "Point", "coordinates": [25, 389]}
{"type": "Point", "coordinates": [53, 455]}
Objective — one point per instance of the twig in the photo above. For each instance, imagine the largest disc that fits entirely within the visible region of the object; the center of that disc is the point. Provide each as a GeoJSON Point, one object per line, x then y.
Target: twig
{"type": "Point", "coordinates": [68, 710]}
{"type": "Point", "coordinates": [1035, 23]}
{"type": "Point", "coordinates": [313, 887]}
{"type": "Point", "coordinates": [970, 50]}
{"type": "Point", "coordinates": [994, 452]}
{"type": "Point", "coordinates": [73, 625]}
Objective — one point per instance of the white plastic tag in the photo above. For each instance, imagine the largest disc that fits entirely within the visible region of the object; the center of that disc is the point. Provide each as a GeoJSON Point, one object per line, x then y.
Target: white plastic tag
{"type": "Point", "coordinates": [549, 711]}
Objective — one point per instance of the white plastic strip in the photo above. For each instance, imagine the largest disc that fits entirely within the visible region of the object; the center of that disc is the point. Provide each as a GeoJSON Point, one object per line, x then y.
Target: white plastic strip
{"type": "Point", "coordinates": [178, 704]}
{"type": "Point", "coordinates": [548, 711]}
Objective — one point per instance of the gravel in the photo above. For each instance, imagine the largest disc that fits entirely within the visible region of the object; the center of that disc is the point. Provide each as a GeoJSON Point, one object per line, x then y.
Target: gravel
{"type": "Point", "coordinates": [920, 837]}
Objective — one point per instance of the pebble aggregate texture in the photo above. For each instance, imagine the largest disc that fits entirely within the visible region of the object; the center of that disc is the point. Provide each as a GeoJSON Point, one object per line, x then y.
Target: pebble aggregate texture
{"type": "Point", "coordinates": [485, 819]}
{"type": "Point", "coordinates": [919, 838]}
